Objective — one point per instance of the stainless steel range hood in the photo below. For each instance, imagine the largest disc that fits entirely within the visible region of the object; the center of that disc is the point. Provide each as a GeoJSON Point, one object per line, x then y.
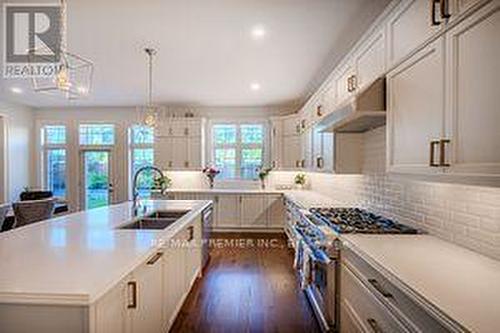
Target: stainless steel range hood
{"type": "Point", "coordinates": [365, 111]}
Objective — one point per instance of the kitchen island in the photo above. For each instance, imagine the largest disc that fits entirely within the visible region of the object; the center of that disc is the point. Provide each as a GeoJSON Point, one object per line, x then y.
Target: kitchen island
{"type": "Point", "coordinates": [84, 273]}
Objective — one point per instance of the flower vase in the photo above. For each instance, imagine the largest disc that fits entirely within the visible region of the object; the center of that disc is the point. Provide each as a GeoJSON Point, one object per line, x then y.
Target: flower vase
{"type": "Point", "coordinates": [211, 182]}
{"type": "Point", "coordinates": [262, 184]}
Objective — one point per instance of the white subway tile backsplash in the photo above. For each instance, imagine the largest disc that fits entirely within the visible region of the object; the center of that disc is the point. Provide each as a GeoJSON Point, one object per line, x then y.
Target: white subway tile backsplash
{"type": "Point", "coordinates": [466, 215]}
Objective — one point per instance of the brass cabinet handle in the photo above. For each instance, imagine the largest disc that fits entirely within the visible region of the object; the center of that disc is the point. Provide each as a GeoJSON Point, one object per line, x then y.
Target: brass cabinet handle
{"type": "Point", "coordinates": [433, 144]}
{"type": "Point", "coordinates": [374, 325]}
{"type": "Point", "coordinates": [434, 22]}
{"type": "Point", "coordinates": [186, 164]}
{"type": "Point", "coordinates": [154, 258]}
{"type": "Point", "coordinates": [379, 288]}
{"type": "Point", "coordinates": [442, 152]}
{"type": "Point", "coordinates": [443, 5]}
{"type": "Point", "coordinates": [133, 285]}
{"type": "Point", "coordinates": [320, 162]}
{"type": "Point", "coordinates": [349, 84]}
{"type": "Point", "coordinates": [170, 163]}
{"type": "Point", "coordinates": [354, 82]}
{"type": "Point", "coordinates": [191, 233]}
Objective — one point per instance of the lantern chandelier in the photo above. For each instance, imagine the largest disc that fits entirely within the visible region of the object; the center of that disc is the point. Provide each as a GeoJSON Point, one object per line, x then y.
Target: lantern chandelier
{"type": "Point", "coordinates": [73, 75]}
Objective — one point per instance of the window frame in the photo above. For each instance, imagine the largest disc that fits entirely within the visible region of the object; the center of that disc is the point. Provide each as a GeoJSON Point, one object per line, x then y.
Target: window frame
{"type": "Point", "coordinates": [46, 147]}
{"type": "Point", "coordinates": [239, 145]}
{"type": "Point", "coordinates": [132, 146]}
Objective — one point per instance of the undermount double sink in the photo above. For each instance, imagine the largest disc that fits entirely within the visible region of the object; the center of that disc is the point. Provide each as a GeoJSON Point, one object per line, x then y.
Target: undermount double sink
{"type": "Point", "coordinates": [157, 220]}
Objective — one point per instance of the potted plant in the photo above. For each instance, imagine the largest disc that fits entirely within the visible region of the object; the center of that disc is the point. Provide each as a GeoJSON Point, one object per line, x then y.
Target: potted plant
{"type": "Point", "coordinates": [263, 173]}
{"type": "Point", "coordinates": [211, 172]}
{"type": "Point", "coordinates": [300, 180]}
{"type": "Point", "coordinates": [161, 184]}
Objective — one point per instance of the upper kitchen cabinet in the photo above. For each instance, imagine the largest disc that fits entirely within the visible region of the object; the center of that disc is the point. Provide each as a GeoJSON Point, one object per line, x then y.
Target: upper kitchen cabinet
{"type": "Point", "coordinates": [415, 111]}
{"type": "Point", "coordinates": [291, 144]}
{"type": "Point", "coordinates": [179, 144]}
{"type": "Point", "coordinates": [276, 142]}
{"type": "Point", "coordinates": [412, 23]}
{"type": "Point", "coordinates": [322, 151]}
{"type": "Point", "coordinates": [369, 61]}
{"type": "Point", "coordinates": [473, 72]}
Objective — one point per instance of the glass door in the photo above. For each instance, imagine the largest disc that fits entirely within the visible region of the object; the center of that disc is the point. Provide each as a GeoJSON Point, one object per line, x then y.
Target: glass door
{"type": "Point", "coordinates": [97, 188]}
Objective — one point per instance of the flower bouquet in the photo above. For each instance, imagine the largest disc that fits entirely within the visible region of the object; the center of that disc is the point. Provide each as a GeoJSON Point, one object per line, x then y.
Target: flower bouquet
{"type": "Point", "coordinates": [300, 180]}
{"type": "Point", "coordinates": [211, 172]}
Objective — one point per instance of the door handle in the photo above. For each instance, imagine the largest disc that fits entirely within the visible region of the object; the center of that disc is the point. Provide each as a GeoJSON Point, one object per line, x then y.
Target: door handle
{"type": "Point", "coordinates": [442, 152]}
{"type": "Point", "coordinates": [433, 144]}
{"type": "Point", "coordinates": [434, 22]}
{"type": "Point", "coordinates": [443, 5]}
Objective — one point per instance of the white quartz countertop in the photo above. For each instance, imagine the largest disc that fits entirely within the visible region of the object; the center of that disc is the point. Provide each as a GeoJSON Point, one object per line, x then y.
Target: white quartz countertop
{"type": "Point", "coordinates": [75, 259]}
{"type": "Point", "coordinates": [224, 191]}
{"type": "Point", "coordinates": [462, 284]}
{"type": "Point", "coordinates": [308, 199]}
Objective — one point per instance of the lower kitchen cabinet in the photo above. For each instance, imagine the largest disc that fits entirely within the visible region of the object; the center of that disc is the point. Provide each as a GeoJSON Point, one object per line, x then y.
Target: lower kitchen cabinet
{"type": "Point", "coordinates": [275, 211]}
{"type": "Point", "coordinates": [233, 211]}
{"type": "Point", "coordinates": [369, 302]}
{"type": "Point", "coordinates": [145, 298]}
{"type": "Point", "coordinates": [228, 215]}
{"type": "Point", "coordinates": [253, 211]}
{"type": "Point", "coordinates": [149, 298]}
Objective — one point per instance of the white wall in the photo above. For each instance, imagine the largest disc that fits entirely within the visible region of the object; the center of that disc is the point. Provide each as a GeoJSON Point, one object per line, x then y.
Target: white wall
{"type": "Point", "coordinates": [19, 120]}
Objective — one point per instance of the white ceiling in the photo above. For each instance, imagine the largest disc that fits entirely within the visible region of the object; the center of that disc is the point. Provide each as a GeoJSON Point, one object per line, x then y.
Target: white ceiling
{"type": "Point", "coordinates": [206, 53]}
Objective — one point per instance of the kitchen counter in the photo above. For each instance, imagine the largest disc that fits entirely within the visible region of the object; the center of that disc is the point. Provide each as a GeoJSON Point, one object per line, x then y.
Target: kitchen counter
{"type": "Point", "coordinates": [308, 199]}
{"type": "Point", "coordinates": [224, 191]}
{"type": "Point", "coordinates": [76, 258]}
{"type": "Point", "coordinates": [458, 282]}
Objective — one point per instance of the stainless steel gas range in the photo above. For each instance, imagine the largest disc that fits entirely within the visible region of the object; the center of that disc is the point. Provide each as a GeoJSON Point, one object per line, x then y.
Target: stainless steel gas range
{"type": "Point", "coordinates": [314, 235]}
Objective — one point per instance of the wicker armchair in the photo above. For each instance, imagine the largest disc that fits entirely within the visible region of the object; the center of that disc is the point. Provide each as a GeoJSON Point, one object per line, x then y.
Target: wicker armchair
{"type": "Point", "coordinates": [4, 208]}
{"type": "Point", "coordinates": [32, 211]}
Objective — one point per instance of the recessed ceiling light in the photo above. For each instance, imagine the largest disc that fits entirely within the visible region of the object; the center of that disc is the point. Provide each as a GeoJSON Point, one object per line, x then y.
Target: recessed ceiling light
{"type": "Point", "coordinates": [255, 86]}
{"type": "Point", "coordinates": [16, 90]}
{"type": "Point", "coordinates": [258, 32]}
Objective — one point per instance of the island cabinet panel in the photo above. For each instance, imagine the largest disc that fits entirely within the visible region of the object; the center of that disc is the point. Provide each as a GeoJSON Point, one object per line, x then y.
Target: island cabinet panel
{"type": "Point", "coordinates": [23, 318]}
{"type": "Point", "coordinates": [111, 310]}
{"type": "Point", "coordinates": [145, 297]}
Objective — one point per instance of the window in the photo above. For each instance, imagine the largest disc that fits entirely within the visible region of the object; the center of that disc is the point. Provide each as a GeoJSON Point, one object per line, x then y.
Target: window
{"type": "Point", "coordinates": [54, 159]}
{"type": "Point", "coordinates": [238, 149]}
{"type": "Point", "coordinates": [97, 134]}
{"type": "Point", "coordinates": [142, 154]}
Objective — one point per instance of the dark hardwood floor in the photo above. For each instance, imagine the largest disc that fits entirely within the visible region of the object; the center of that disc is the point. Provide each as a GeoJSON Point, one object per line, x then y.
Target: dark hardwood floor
{"type": "Point", "coordinates": [249, 285]}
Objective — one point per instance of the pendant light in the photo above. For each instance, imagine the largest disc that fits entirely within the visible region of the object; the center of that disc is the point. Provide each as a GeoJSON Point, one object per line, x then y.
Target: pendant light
{"type": "Point", "coordinates": [73, 77]}
{"type": "Point", "coordinates": [150, 112]}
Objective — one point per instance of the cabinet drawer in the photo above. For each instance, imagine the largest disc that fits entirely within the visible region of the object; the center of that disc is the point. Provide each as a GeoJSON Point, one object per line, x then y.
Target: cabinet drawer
{"type": "Point", "coordinates": [394, 299]}
{"type": "Point", "coordinates": [366, 310]}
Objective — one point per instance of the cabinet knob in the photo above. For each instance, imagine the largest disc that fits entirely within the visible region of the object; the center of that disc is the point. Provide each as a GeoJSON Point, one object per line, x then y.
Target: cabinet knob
{"type": "Point", "coordinates": [186, 164]}
{"type": "Point", "coordinates": [170, 164]}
